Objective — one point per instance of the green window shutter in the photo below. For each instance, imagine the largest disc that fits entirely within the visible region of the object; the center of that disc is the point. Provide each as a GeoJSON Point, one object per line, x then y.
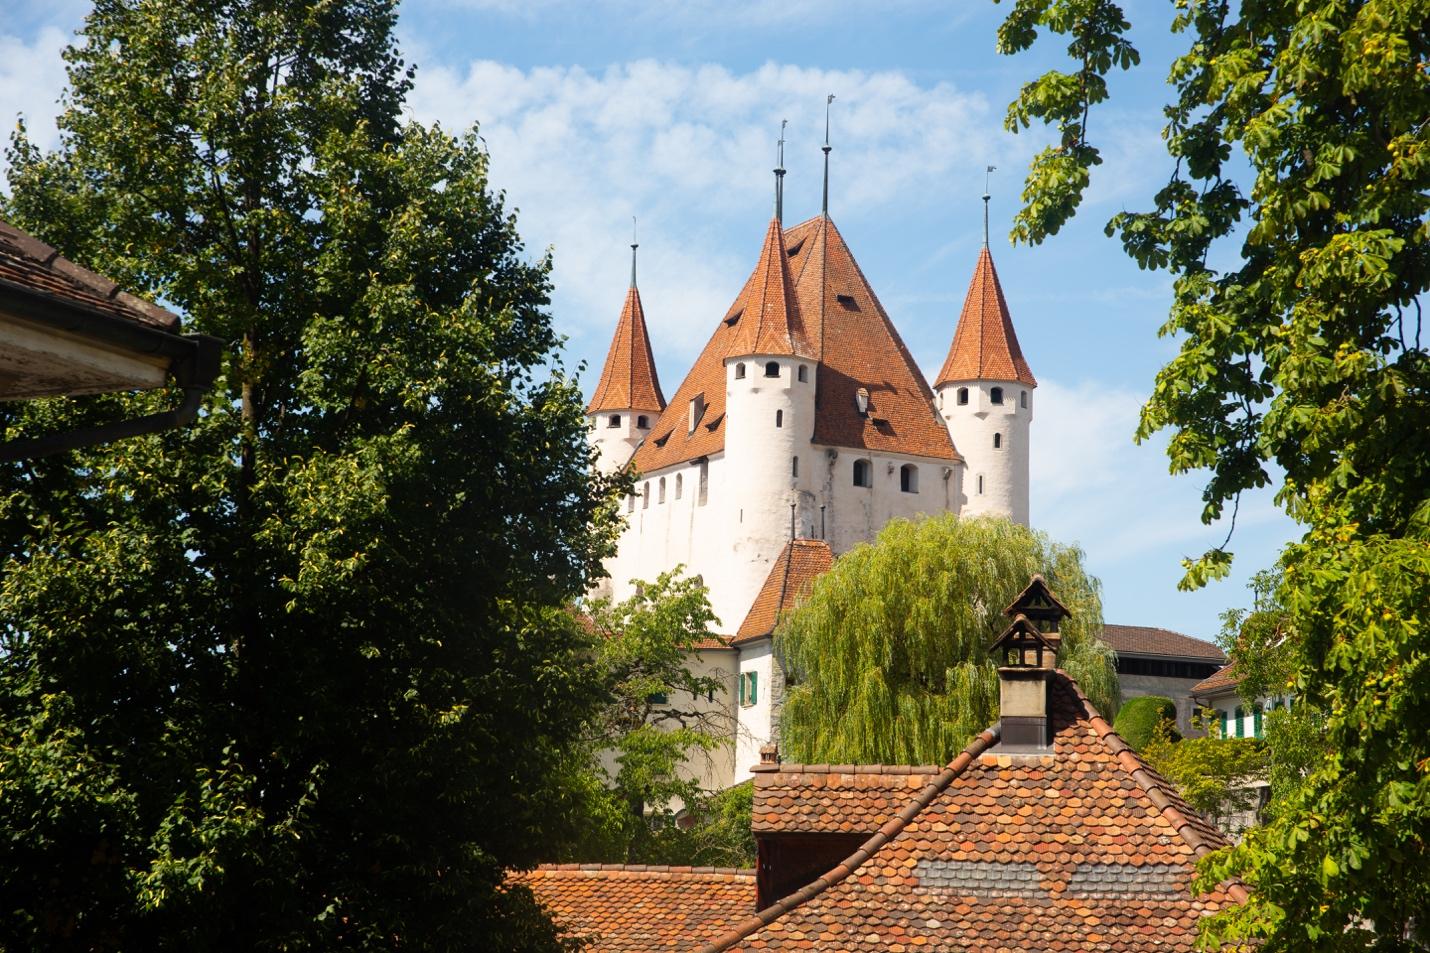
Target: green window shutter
{"type": "Point", "coordinates": [1225, 725]}
{"type": "Point", "coordinates": [1240, 722]}
{"type": "Point", "coordinates": [741, 680]}
{"type": "Point", "coordinates": [1256, 716]}
{"type": "Point", "coordinates": [754, 687]}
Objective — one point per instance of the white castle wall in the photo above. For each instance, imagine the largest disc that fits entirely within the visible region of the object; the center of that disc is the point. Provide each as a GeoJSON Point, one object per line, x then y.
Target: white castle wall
{"type": "Point", "coordinates": [995, 480]}
{"type": "Point", "coordinates": [616, 444]}
{"type": "Point", "coordinates": [754, 730]}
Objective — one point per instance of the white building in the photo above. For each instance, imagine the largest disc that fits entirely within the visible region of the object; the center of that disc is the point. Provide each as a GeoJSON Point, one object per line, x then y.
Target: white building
{"type": "Point", "coordinates": [804, 418]}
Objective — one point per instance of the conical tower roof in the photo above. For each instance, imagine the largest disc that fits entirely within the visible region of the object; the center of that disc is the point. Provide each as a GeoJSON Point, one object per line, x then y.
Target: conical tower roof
{"type": "Point", "coordinates": [830, 316]}
{"type": "Point", "coordinates": [985, 346]}
{"type": "Point", "coordinates": [765, 317]}
{"type": "Point", "coordinates": [628, 379]}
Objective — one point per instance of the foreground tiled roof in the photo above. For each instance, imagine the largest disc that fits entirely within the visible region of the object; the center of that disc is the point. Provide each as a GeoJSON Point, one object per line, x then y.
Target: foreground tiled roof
{"type": "Point", "coordinates": [29, 265]}
{"type": "Point", "coordinates": [1147, 640]}
{"type": "Point", "coordinates": [840, 798]}
{"type": "Point", "coordinates": [985, 346]}
{"type": "Point", "coordinates": [1082, 849]}
{"type": "Point", "coordinates": [794, 571]}
{"type": "Point", "coordinates": [628, 378]}
{"type": "Point", "coordinates": [1223, 679]}
{"type": "Point", "coordinates": [852, 339]}
{"type": "Point", "coordinates": [638, 909]}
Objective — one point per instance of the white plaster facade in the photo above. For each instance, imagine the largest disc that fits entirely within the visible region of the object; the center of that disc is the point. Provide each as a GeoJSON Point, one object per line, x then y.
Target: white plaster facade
{"type": "Point", "coordinates": [616, 434]}
{"type": "Point", "coordinates": [990, 423]}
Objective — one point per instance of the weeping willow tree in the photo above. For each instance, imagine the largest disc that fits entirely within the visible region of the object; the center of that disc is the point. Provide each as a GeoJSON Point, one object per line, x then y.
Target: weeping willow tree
{"type": "Point", "coordinates": [887, 660]}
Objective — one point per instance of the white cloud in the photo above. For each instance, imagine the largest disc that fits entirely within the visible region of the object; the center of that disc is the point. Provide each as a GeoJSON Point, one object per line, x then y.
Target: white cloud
{"type": "Point", "coordinates": [32, 76]}
{"type": "Point", "coordinates": [689, 150]}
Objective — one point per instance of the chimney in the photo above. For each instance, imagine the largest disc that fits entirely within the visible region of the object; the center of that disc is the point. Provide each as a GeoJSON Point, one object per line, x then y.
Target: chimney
{"type": "Point", "coordinates": [1027, 656]}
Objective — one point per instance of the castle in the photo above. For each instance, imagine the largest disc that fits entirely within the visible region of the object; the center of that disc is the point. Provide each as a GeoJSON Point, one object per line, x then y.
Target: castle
{"type": "Point", "coordinates": [802, 428]}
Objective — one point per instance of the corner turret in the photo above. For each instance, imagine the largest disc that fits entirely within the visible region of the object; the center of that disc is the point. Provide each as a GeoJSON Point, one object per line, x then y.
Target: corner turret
{"type": "Point", "coordinates": [627, 400]}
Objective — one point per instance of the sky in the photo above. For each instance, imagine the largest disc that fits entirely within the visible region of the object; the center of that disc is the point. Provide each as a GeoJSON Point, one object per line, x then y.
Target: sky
{"type": "Point", "coordinates": [595, 111]}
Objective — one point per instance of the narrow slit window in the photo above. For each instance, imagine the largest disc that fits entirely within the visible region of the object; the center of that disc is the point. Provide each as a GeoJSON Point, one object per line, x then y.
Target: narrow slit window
{"type": "Point", "coordinates": [645, 496]}
{"type": "Point", "coordinates": [1023, 399]}
{"type": "Point", "coordinates": [704, 488]}
{"type": "Point", "coordinates": [779, 418]}
{"type": "Point", "coordinates": [679, 484]}
{"type": "Point", "coordinates": [794, 466]}
{"type": "Point", "coordinates": [661, 492]}
{"type": "Point", "coordinates": [980, 484]}
{"type": "Point", "coordinates": [997, 441]}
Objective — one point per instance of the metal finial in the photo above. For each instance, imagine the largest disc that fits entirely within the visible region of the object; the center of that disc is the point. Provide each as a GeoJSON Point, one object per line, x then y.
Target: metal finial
{"type": "Point", "coordinates": [780, 174]}
{"type": "Point", "coordinates": [827, 101]}
{"type": "Point", "coordinates": [634, 246]}
{"type": "Point", "coordinates": [987, 171]}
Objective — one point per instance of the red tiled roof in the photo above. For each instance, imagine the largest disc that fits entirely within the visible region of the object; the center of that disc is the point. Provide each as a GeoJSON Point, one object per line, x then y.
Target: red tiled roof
{"type": "Point", "coordinates": [794, 571]}
{"type": "Point", "coordinates": [1222, 680]}
{"type": "Point", "coordinates": [31, 266]}
{"type": "Point", "coordinates": [840, 798]}
{"type": "Point", "coordinates": [765, 317]}
{"type": "Point", "coordinates": [855, 344]}
{"type": "Point", "coordinates": [985, 347]}
{"type": "Point", "coordinates": [1148, 640]}
{"type": "Point", "coordinates": [639, 909]}
{"type": "Point", "coordinates": [628, 379]}
{"type": "Point", "coordinates": [1085, 848]}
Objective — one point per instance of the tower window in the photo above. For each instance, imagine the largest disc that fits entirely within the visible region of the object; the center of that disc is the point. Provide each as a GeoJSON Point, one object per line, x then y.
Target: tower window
{"type": "Point", "coordinates": [779, 418]}
{"type": "Point", "coordinates": [679, 485]}
{"type": "Point", "coordinates": [772, 369]}
{"type": "Point", "coordinates": [1023, 398]}
{"type": "Point", "coordinates": [962, 396]}
{"type": "Point", "coordinates": [614, 420]}
{"type": "Point", "coordinates": [997, 441]}
{"type": "Point", "coordinates": [803, 373]}
{"type": "Point", "coordinates": [863, 473]}
{"type": "Point", "coordinates": [645, 496]}
{"type": "Point", "coordinates": [980, 484]}
{"type": "Point", "coordinates": [995, 396]}
{"type": "Point", "coordinates": [794, 466]}
{"type": "Point", "coordinates": [740, 371]}
{"type": "Point", "coordinates": [642, 422]}
{"type": "Point", "coordinates": [661, 498]}
{"type": "Point", "coordinates": [909, 478]}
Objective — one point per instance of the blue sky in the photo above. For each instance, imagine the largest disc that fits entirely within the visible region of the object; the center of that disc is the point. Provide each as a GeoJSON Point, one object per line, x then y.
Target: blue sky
{"type": "Point", "coordinates": [598, 110]}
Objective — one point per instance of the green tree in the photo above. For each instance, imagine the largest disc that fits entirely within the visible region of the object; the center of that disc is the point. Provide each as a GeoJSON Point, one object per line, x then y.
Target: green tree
{"type": "Point", "coordinates": [1307, 353]}
{"type": "Point", "coordinates": [1216, 776]}
{"type": "Point", "coordinates": [887, 660]}
{"type": "Point", "coordinates": [1140, 718]}
{"type": "Point", "coordinates": [295, 677]}
{"type": "Point", "coordinates": [664, 715]}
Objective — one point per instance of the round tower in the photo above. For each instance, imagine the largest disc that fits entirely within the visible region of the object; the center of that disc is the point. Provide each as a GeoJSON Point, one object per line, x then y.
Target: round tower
{"type": "Point", "coordinates": [985, 396]}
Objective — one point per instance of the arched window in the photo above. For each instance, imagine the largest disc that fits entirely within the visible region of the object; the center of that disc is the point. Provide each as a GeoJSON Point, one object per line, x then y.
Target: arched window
{"type": "Point", "coordinates": [614, 420]}
{"type": "Point", "coordinates": [740, 371]}
{"type": "Point", "coordinates": [642, 422]}
{"type": "Point", "coordinates": [995, 396]}
{"type": "Point", "coordinates": [962, 396]}
{"type": "Point", "coordinates": [1023, 398]}
{"type": "Point", "coordinates": [779, 418]}
{"type": "Point", "coordinates": [909, 478]}
{"type": "Point", "coordinates": [645, 496]}
{"type": "Point", "coordinates": [863, 473]}
{"type": "Point", "coordinates": [679, 485]}
{"type": "Point", "coordinates": [794, 466]}
{"type": "Point", "coordinates": [704, 488]}
{"type": "Point", "coordinates": [803, 373]}
{"type": "Point", "coordinates": [997, 441]}
{"type": "Point", "coordinates": [661, 498]}
{"type": "Point", "coordinates": [772, 369]}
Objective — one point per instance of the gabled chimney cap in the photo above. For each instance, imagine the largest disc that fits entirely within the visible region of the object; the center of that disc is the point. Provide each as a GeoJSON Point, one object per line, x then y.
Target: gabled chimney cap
{"type": "Point", "coordinates": [1038, 603]}
{"type": "Point", "coordinates": [1022, 645]}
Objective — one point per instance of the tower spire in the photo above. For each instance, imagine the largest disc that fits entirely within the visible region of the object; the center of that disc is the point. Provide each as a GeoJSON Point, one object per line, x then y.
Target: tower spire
{"type": "Point", "coordinates": [780, 175]}
{"type": "Point", "coordinates": [988, 170]}
{"type": "Point", "coordinates": [634, 246]}
{"type": "Point", "coordinates": [825, 206]}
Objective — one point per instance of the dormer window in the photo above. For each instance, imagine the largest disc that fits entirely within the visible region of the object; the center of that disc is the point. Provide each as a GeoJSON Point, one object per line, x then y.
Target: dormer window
{"type": "Point", "coordinates": [847, 302]}
{"type": "Point", "coordinates": [772, 369]}
{"type": "Point", "coordinates": [740, 371]}
{"type": "Point", "coordinates": [614, 420]}
{"type": "Point", "coordinates": [995, 396]}
{"type": "Point", "coordinates": [697, 411]}
{"type": "Point", "coordinates": [962, 396]}
{"type": "Point", "coordinates": [861, 400]}
{"type": "Point", "coordinates": [732, 319]}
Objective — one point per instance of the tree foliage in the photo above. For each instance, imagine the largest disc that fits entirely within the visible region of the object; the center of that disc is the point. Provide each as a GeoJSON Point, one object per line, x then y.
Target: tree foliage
{"type": "Point", "coordinates": [1307, 353]}
{"type": "Point", "coordinates": [1216, 776]}
{"type": "Point", "coordinates": [1140, 718]}
{"type": "Point", "coordinates": [887, 660]}
{"type": "Point", "coordinates": [295, 677]}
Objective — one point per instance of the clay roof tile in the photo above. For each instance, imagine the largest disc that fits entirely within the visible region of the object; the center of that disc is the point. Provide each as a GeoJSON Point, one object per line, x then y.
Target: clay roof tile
{"type": "Point", "coordinates": [789, 581]}
{"type": "Point", "coordinates": [628, 378]}
{"type": "Point", "coordinates": [985, 347]}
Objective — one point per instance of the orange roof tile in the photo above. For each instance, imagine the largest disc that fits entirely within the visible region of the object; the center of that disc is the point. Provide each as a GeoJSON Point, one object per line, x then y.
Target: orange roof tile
{"type": "Point", "coordinates": [855, 345]}
{"type": "Point", "coordinates": [1084, 848]}
{"type": "Point", "coordinates": [1148, 640]}
{"type": "Point", "coordinates": [985, 347]}
{"type": "Point", "coordinates": [628, 379]}
{"type": "Point", "coordinates": [834, 799]}
{"type": "Point", "coordinates": [31, 266]}
{"type": "Point", "coordinates": [1225, 679]}
{"type": "Point", "coordinates": [640, 909]}
{"type": "Point", "coordinates": [794, 571]}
